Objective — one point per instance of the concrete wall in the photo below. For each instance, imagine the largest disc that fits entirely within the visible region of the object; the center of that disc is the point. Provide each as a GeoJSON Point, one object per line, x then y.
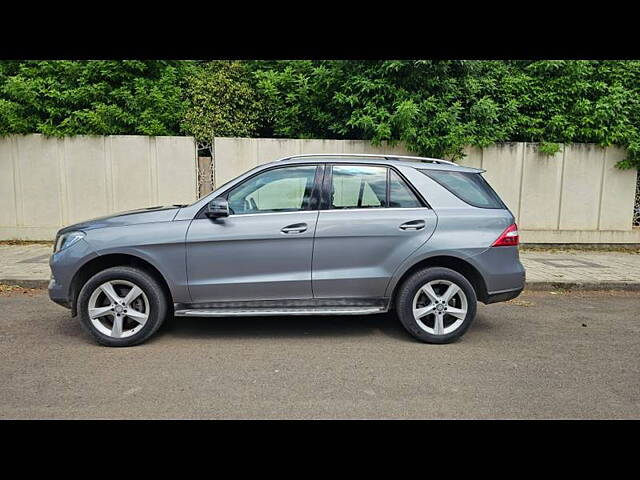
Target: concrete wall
{"type": "Point", "coordinates": [47, 183]}
{"type": "Point", "coordinates": [574, 196]}
{"type": "Point", "coordinates": [233, 156]}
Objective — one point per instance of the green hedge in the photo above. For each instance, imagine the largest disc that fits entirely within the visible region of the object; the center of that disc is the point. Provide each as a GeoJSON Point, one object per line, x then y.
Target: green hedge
{"type": "Point", "coordinates": [434, 107]}
{"type": "Point", "coordinates": [93, 97]}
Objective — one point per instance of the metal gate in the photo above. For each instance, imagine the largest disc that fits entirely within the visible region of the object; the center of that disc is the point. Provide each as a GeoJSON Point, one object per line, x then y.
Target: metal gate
{"type": "Point", "coordinates": [206, 168]}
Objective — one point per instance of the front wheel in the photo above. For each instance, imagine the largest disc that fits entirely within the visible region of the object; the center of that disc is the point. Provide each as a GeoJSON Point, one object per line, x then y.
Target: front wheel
{"type": "Point", "coordinates": [122, 306]}
{"type": "Point", "coordinates": [436, 305]}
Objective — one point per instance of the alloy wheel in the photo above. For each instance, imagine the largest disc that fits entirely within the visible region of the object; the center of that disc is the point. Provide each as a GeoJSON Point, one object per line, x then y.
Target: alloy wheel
{"type": "Point", "coordinates": [440, 307]}
{"type": "Point", "coordinates": [118, 308]}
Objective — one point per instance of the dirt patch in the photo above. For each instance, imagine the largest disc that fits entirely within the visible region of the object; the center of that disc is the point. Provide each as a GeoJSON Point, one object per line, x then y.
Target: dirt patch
{"type": "Point", "coordinates": [520, 302]}
{"type": "Point", "coordinates": [577, 248]}
{"type": "Point", "coordinates": [21, 243]}
{"type": "Point", "coordinates": [540, 294]}
{"type": "Point", "coordinates": [12, 290]}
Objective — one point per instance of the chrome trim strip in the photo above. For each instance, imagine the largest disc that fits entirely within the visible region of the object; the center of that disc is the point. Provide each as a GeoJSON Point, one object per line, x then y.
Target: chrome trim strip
{"type": "Point", "coordinates": [269, 213]}
{"type": "Point", "coordinates": [331, 210]}
{"type": "Point", "coordinates": [385, 209]}
{"type": "Point", "coordinates": [498, 292]}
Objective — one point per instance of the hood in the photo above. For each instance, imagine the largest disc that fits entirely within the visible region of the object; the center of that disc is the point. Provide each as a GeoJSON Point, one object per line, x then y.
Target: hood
{"type": "Point", "coordinates": [142, 215]}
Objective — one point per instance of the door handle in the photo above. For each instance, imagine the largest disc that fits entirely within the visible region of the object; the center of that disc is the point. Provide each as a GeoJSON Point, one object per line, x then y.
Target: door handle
{"type": "Point", "coordinates": [295, 228]}
{"type": "Point", "coordinates": [413, 225]}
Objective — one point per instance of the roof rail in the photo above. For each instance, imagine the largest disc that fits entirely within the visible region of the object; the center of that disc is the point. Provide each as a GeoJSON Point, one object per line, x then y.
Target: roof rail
{"type": "Point", "coordinates": [381, 155]}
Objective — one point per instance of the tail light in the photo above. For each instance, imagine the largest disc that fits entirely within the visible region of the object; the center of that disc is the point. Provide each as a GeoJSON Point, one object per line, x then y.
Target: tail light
{"type": "Point", "coordinates": [508, 238]}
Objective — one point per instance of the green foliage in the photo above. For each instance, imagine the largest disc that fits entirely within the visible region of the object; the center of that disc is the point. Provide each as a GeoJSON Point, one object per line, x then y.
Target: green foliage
{"type": "Point", "coordinates": [223, 102]}
{"type": "Point", "coordinates": [549, 148]}
{"type": "Point", "coordinates": [435, 107]}
{"type": "Point", "coordinates": [91, 97]}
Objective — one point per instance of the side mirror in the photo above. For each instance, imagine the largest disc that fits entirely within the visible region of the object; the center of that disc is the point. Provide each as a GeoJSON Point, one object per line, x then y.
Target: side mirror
{"type": "Point", "coordinates": [217, 208]}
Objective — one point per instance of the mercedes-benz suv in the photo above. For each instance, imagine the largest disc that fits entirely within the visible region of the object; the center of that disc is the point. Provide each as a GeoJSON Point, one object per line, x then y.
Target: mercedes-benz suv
{"type": "Point", "coordinates": [307, 235]}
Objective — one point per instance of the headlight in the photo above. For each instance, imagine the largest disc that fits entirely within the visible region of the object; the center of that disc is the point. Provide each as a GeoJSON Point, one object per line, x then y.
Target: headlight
{"type": "Point", "coordinates": [67, 239]}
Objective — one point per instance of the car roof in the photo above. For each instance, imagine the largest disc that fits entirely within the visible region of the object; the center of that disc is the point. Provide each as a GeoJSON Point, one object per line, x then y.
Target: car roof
{"type": "Point", "coordinates": [385, 159]}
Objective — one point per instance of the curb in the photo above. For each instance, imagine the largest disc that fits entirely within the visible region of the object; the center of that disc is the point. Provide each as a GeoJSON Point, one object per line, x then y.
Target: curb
{"type": "Point", "coordinates": [537, 286]}
{"type": "Point", "coordinates": [626, 286]}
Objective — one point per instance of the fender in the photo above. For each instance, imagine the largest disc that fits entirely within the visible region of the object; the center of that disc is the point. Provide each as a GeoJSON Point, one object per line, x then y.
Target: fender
{"type": "Point", "coordinates": [464, 255]}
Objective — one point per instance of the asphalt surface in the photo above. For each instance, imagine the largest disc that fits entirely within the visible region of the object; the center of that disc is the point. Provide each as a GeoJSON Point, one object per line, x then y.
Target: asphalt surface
{"type": "Point", "coordinates": [543, 355]}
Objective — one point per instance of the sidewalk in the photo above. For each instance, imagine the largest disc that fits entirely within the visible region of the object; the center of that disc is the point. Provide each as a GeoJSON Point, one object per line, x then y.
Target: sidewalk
{"type": "Point", "coordinates": [581, 269]}
{"type": "Point", "coordinates": [27, 266]}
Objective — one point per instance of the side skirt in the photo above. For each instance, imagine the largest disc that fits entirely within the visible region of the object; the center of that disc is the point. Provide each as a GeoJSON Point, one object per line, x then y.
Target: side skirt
{"type": "Point", "coordinates": [346, 306]}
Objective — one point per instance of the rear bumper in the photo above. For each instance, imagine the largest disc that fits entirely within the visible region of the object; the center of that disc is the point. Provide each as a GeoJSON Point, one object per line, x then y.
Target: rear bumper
{"type": "Point", "coordinates": [503, 274]}
{"type": "Point", "coordinates": [503, 296]}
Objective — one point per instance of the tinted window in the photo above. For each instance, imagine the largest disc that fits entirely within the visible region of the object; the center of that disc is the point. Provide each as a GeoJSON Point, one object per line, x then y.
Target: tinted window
{"type": "Point", "coordinates": [279, 190]}
{"type": "Point", "coordinates": [400, 195]}
{"type": "Point", "coordinates": [358, 187]}
{"type": "Point", "coordinates": [469, 187]}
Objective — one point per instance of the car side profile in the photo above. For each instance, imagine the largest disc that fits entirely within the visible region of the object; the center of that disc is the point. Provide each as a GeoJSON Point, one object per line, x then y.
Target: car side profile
{"type": "Point", "coordinates": [306, 235]}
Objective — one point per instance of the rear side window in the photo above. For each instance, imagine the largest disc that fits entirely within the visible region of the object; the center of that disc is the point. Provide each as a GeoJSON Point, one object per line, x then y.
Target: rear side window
{"type": "Point", "coordinates": [358, 187]}
{"type": "Point", "coordinates": [400, 196]}
{"type": "Point", "coordinates": [469, 187]}
{"type": "Point", "coordinates": [368, 186]}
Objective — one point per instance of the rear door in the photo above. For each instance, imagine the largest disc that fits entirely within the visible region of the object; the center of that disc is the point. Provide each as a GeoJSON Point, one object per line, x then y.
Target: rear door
{"type": "Point", "coordinates": [370, 221]}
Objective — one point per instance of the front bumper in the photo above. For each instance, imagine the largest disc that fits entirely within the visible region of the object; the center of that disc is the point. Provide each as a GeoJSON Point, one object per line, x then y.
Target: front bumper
{"type": "Point", "coordinates": [64, 265]}
{"type": "Point", "coordinates": [58, 293]}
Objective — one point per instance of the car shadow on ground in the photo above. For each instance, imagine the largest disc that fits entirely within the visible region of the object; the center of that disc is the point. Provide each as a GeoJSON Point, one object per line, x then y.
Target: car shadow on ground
{"type": "Point", "coordinates": [285, 326]}
{"type": "Point", "coordinates": [310, 326]}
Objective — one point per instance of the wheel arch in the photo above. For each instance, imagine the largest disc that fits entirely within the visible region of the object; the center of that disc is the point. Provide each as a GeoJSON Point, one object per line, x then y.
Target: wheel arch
{"type": "Point", "coordinates": [102, 262]}
{"type": "Point", "coordinates": [457, 264]}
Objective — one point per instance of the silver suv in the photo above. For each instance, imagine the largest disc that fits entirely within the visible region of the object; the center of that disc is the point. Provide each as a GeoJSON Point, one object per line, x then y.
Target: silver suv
{"type": "Point", "coordinates": [307, 235]}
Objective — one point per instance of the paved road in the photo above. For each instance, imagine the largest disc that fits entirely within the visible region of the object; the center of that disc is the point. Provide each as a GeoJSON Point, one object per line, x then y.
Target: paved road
{"type": "Point", "coordinates": [573, 355]}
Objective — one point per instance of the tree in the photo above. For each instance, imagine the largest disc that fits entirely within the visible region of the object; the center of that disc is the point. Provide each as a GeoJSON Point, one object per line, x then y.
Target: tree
{"type": "Point", "coordinates": [222, 102]}
{"type": "Point", "coordinates": [91, 97]}
{"type": "Point", "coordinates": [438, 107]}
{"type": "Point", "coordinates": [434, 107]}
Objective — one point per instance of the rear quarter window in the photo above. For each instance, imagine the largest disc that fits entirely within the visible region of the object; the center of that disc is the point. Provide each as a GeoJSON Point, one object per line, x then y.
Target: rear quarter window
{"type": "Point", "coordinates": [469, 187]}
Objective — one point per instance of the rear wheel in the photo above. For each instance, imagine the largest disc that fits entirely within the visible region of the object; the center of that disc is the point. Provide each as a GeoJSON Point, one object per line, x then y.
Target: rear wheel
{"type": "Point", "coordinates": [436, 305]}
{"type": "Point", "coordinates": [122, 306]}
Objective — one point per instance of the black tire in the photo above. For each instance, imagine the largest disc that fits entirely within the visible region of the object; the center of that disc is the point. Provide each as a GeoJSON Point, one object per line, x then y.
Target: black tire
{"type": "Point", "coordinates": [409, 289]}
{"type": "Point", "coordinates": [158, 304]}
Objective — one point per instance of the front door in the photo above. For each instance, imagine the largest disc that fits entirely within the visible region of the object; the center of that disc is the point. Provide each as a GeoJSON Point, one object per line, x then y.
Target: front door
{"type": "Point", "coordinates": [262, 250]}
{"type": "Point", "coordinates": [369, 223]}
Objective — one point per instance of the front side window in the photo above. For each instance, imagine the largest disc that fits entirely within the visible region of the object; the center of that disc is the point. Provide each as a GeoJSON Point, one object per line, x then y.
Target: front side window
{"type": "Point", "coordinates": [358, 187]}
{"type": "Point", "coordinates": [279, 190]}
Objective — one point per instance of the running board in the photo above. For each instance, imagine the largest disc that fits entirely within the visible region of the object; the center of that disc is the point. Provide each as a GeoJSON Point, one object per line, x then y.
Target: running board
{"type": "Point", "coordinates": [258, 312]}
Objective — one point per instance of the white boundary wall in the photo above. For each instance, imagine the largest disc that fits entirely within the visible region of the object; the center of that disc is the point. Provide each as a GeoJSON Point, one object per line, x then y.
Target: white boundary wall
{"type": "Point", "coordinates": [574, 196]}
{"type": "Point", "coordinates": [46, 183]}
